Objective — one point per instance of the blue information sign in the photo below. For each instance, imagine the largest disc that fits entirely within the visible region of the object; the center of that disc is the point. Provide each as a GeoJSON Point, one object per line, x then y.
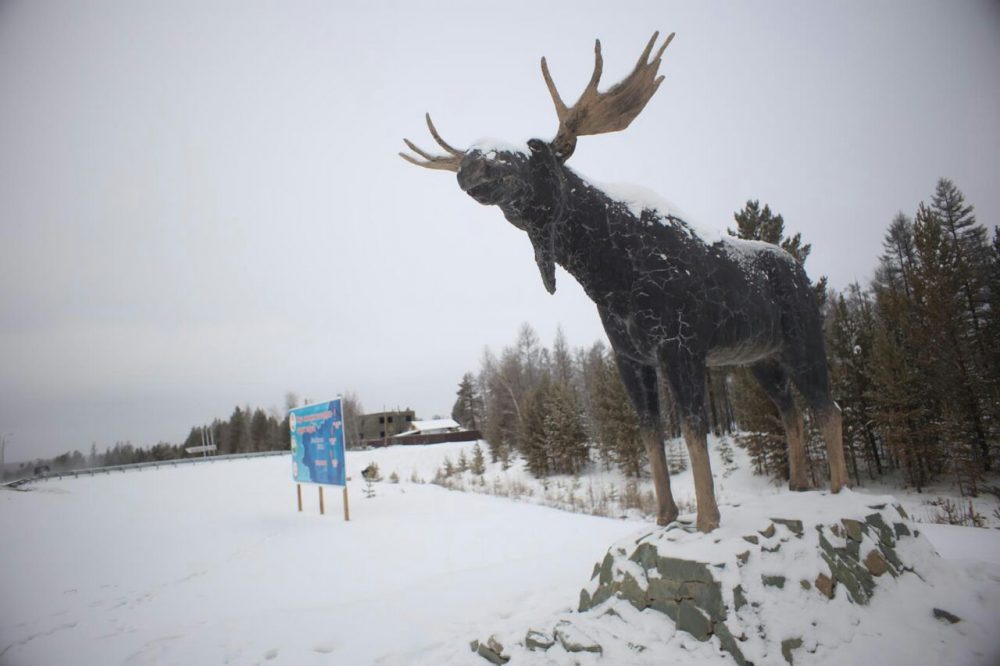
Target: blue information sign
{"type": "Point", "coordinates": [318, 443]}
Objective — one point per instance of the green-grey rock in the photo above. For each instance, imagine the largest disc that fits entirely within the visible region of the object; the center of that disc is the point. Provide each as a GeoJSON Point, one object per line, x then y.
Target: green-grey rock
{"type": "Point", "coordinates": [849, 573]}
{"type": "Point", "coordinates": [611, 612]}
{"type": "Point", "coordinates": [685, 570]}
{"type": "Point", "coordinates": [885, 533]}
{"type": "Point", "coordinates": [795, 526]}
{"type": "Point", "coordinates": [538, 640]}
{"type": "Point", "coordinates": [805, 585]}
{"type": "Point", "coordinates": [767, 533]}
{"type": "Point", "coordinates": [853, 528]}
{"type": "Point", "coordinates": [666, 589]}
{"type": "Point", "coordinates": [901, 529]}
{"type": "Point", "coordinates": [946, 616]}
{"type": "Point", "coordinates": [645, 555]}
{"type": "Point", "coordinates": [633, 592]}
{"type": "Point", "coordinates": [607, 566]}
{"type": "Point", "coordinates": [585, 601]}
{"type": "Point", "coordinates": [854, 549]}
{"type": "Point", "coordinates": [752, 538]}
{"type": "Point", "coordinates": [668, 607]}
{"type": "Point", "coordinates": [773, 581]}
{"type": "Point", "coordinates": [825, 546]}
{"type": "Point", "coordinates": [602, 594]}
{"type": "Point", "coordinates": [729, 644]}
{"type": "Point", "coordinates": [765, 549]}
{"type": "Point", "coordinates": [742, 558]}
{"type": "Point", "coordinates": [787, 646]}
{"type": "Point", "coordinates": [574, 640]}
{"type": "Point", "coordinates": [692, 620]}
{"type": "Point", "coordinates": [890, 555]}
{"type": "Point", "coordinates": [739, 598]}
{"type": "Point", "coordinates": [491, 651]}
{"type": "Point", "coordinates": [708, 597]}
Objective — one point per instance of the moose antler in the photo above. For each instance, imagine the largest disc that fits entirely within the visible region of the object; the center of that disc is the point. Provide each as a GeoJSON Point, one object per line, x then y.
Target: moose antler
{"type": "Point", "coordinates": [444, 162]}
{"type": "Point", "coordinates": [611, 111]}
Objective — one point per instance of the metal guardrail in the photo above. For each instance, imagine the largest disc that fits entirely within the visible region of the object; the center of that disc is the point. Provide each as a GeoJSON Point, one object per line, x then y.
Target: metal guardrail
{"type": "Point", "coordinates": [91, 471]}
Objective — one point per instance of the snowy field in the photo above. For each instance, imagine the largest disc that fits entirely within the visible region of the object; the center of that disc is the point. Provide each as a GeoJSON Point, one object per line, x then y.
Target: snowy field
{"type": "Point", "coordinates": [213, 564]}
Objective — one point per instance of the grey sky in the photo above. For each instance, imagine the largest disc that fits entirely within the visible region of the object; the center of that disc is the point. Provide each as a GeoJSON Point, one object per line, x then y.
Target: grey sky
{"type": "Point", "coordinates": [201, 203]}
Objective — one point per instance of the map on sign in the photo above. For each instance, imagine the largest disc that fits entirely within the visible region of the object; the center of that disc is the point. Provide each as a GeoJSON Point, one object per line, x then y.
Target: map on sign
{"type": "Point", "coordinates": [317, 434]}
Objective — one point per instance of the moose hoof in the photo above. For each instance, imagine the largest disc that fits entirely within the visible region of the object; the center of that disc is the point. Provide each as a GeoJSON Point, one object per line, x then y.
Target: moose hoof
{"type": "Point", "coordinates": [665, 519]}
{"type": "Point", "coordinates": [707, 523]}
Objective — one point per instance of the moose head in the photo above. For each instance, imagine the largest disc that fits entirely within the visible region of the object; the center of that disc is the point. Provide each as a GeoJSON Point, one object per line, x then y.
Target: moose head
{"type": "Point", "coordinates": [529, 185]}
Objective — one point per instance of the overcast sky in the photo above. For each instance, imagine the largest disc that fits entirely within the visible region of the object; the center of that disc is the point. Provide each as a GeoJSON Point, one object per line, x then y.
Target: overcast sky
{"type": "Point", "coordinates": [201, 203]}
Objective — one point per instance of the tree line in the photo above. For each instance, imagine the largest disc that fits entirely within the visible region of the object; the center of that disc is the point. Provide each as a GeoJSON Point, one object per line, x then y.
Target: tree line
{"type": "Point", "coordinates": [247, 430]}
{"type": "Point", "coordinates": [914, 358]}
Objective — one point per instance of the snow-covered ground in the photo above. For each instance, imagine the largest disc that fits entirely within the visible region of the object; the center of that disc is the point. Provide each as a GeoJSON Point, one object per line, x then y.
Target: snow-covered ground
{"type": "Point", "coordinates": [212, 564]}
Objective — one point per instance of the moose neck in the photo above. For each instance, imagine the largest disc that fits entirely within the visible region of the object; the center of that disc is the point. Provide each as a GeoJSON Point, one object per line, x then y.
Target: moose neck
{"type": "Point", "coordinates": [586, 231]}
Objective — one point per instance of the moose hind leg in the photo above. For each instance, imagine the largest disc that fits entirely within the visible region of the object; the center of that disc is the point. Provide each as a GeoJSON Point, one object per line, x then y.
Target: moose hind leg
{"type": "Point", "coordinates": [641, 385]}
{"type": "Point", "coordinates": [775, 382]}
{"type": "Point", "coordinates": [814, 385]}
{"type": "Point", "coordinates": [829, 418]}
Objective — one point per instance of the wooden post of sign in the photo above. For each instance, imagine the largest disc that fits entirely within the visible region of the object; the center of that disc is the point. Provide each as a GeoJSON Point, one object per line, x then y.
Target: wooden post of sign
{"type": "Point", "coordinates": [322, 512]}
{"type": "Point", "coordinates": [298, 491]}
{"type": "Point", "coordinates": [347, 510]}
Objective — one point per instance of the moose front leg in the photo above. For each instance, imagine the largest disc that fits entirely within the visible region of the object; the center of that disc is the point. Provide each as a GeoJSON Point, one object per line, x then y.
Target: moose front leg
{"type": "Point", "coordinates": [641, 385]}
{"type": "Point", "coordinates": [686, 377]}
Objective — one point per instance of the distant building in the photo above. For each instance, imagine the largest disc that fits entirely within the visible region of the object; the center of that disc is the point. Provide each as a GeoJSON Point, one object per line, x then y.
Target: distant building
{"type": "Point", "coordinates": [432, 427]}
{"type": "Point", "coordinates": [436, 431]}
{"type": "Point", "coordinates": [375, 429]}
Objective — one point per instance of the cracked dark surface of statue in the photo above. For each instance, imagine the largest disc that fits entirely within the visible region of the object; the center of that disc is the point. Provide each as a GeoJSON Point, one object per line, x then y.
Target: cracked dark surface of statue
{"type": "Point", "coordinates": [672, 301]}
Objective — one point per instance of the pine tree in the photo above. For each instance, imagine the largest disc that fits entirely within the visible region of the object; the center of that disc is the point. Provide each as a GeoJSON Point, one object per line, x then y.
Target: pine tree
{"type": "Point", "coordinates": [950, 363]}
{"type": "Point", "coordinates": [562, 361]}
{"type": "Point", "coordinates": [468, 406]}
{"type": "Point", "coordinates": [533, 435]}
{"type": "Point", "coordinates": [259, 429]}
{"type": "Point", "coordinates": [616, 422]}
{"type": "Point", "coordinates": [970, 279]}
{"type": "Point", "coordinates": [969, 249]}
{"type": "Point", "coordinates": [754, 223]}
{"type": "Point", "coordinates": [850, 346]}
{"type": "Point", "coordinates": [478, 464]}
{"type": "Point", "coordinates": [566, 436]}
{"type": "Point", "coordinates": [907, 393]}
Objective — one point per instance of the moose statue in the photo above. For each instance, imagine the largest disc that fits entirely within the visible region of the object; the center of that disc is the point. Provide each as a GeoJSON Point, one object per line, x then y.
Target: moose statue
{"type": "Point", "coordinates": [672, 301]}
